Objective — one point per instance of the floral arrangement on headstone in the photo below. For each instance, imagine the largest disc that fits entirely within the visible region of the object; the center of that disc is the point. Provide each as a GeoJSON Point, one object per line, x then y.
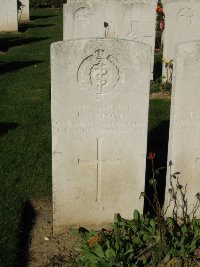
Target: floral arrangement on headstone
{"type": "Point", "coordinates": [160, 20]}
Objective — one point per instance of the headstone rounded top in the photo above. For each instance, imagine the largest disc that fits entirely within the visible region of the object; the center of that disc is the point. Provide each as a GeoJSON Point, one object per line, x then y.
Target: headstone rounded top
{"type": "Point", "coordinates": [165, 2]}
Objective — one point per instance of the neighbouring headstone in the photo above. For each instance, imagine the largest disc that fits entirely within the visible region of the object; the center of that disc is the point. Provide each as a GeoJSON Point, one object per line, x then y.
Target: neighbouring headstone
{"type": "Point", "coordinates": [8, 16]}
{"type": "Point", "coordinates": [182, 24]}
{"type": "Point", "coordinates": [23, 13]}
{"type": "Point", "coordinates": [100, 95]}
{"type": "Point", "coordinates": [184, 137]}
{"type": "Point", "coordinates": [91, 19]}
{"type": "Point", "coordinates": [138, 22]}
{"type": "Point", "coordinates": [124, 19]}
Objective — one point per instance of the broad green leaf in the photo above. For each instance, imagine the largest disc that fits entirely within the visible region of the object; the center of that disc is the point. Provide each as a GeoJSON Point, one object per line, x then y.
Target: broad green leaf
{"type": "Point", "coordinates": [170, 221]}
{"type": "Point", "coordinates": [184, 229]}
{"type": "Point", "coordinates": [136, 215]}
{"type": "Point", "coordinates": [97, 250]}
{"type": "Point", "coordinates": [167, 258]}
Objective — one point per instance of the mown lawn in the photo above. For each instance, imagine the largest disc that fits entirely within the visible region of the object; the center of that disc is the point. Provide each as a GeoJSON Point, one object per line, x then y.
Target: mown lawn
{"type": "Point", "coordinates": [25, 124]}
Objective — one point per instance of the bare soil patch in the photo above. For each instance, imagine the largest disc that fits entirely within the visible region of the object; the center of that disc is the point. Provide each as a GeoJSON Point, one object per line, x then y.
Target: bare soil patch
{"type": "Point", "coordinates": [46, 249]}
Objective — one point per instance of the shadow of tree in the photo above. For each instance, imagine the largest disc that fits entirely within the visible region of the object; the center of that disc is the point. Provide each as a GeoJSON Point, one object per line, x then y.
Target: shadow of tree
{"type": "Point", "coordinates": [27, 222]}
{"type": "Point", "coordinates": [42, 17]}
{"type": "Point", "coordinates": [158, 144]}
{"type": "Point", "coordinates": [24, 27]}
{"type": "Point", "coordinates": [157, 70]}
{"type": "Point", "coordinates": [5, 127]}
{"type": "Point", "coordinates": [8, 42]}
{"type": "Point", "coordinates": [12, 66]}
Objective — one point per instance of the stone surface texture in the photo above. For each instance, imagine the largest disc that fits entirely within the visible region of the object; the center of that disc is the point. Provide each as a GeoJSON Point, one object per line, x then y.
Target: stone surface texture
{"type": "Point", "coordinates": [184, 137]}
{"type": "Point", "coordinates": [100, 96]}
{"type": "Point", "coordinates": [8, 16]}
{"type": "Point", "coordinates": [182, 24]}
{"type": "Point", "coordinates": [24, 13]}
{"type": "Point", "coordinates": [123, 19]}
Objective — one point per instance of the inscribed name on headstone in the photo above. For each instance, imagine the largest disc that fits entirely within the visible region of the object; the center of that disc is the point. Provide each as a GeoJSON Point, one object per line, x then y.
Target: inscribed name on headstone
{"type": "Point", "coordinates": [184, 137]}
{"type": "Point", "coordinates": [23, 13]}
{"type": "Point", "coordinates": [8, 16]}
{"type": "Point", "coordinates": [100, 91]}
{"type": "Point", "coordinates": [182, 24]}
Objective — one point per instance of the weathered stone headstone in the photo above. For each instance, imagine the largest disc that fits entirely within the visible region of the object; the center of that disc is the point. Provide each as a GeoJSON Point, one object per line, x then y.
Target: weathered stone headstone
{"type": "Point", "coordinates": [8, 16]}
{"type": "Point", "coordinates": [138, 22]}
{"type": "Point", "coordinates": [23, 13]}
{"type": "Point", "coordinates": [184, 138]}
{"type": "Point", "coordinates": [100, 92]}
{"type": "Point", "coordinates": [124, 19]}
{"type": "Point", "coordinates": [182, 24]}
{"type": "Point", "coordinates": [91, 19]}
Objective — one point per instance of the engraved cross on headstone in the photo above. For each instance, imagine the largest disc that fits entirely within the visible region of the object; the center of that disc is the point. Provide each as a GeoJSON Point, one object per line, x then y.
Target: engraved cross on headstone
{"type": "Point", "coordinates": [99, 161]}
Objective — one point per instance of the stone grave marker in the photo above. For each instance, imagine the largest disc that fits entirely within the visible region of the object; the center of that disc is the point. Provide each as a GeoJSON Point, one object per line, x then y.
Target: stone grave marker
{"type": "Point", "coordinates": [182, 24]}
{"type": "Point", "coordinates": [124, 19]}
{"type": "Point", "coordinates": [91, 19]}
{"type": "Point", "coordinates": [23, 13]}
{"type": "Point", "coordinates": [100, 96]}
{"type": "Point", "coordinates": [8, 16]}
{"type": "Point", "coordinates": [138, 22]}
{"type": "Point", "coordinates": [184, 137]}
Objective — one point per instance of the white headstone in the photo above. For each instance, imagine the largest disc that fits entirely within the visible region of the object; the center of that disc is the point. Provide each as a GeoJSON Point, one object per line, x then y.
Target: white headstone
{"type": "Point", "coordinates": [184, 138]}
{"type": "Point", "coordinates": [138, 22]}
{"type": "Point", "coordinates": [23, 13]}
{"type": "Point", "coordinates": [91, 19]}
{"type": "Point", "coordinates": [124, 19]}
{"type": "Point", "coordinates": [182, 24]}
{"type": "Point", "coordinates": [8, 16]}
{"type": "Point", "coordinates": [100, 92]}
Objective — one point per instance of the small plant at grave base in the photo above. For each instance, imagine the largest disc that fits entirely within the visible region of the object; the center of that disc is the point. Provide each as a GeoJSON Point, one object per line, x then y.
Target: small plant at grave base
{"type": "Point", "coordinates": [159, 86]}
{"type": "Point", "coordinates": [147, 241]}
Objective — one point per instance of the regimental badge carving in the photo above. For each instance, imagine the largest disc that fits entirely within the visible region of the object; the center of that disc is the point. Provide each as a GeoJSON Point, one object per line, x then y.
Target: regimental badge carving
{"type": "Point", "coordinates": [185, 16]}
{"type": "Point", "coordinates": [98, 74]}
{"type": "Point", "coordinates": [83, 14]}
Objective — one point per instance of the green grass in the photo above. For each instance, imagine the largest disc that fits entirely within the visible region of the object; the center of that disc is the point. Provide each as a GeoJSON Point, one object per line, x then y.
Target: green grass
{"type": "Point", "coordinates": [25, 125]}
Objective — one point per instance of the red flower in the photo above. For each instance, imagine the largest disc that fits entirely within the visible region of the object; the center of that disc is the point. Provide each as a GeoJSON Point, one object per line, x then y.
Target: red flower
{"type": "Point", "coordinates": [151, 156]}
{"type": "Point", "coordinates": [161, 25]}
{"type": "Point", "coordinates": [159, 9]}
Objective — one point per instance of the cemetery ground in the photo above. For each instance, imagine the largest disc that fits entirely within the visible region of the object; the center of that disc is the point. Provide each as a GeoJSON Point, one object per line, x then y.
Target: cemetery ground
{"type": "Point", "coordinates": [25, 147]}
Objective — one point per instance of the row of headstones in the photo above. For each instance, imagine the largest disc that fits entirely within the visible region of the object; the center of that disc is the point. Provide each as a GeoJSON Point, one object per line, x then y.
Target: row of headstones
{"type": "Point", "coordinates": [100, 82]}
{"type": "Point", "coordinates": [10, 15]}
{"type": "Point", "coordinates": [100, 97]}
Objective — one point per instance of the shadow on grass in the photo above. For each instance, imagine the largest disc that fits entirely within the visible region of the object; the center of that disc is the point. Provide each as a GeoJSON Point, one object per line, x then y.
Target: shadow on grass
{"type": "Point", "coordinates": [157, 70]}
{"type": "Point", "coordinates": [8, 42]}
{"type": "Point", "coordinates": [158, 144]}
{"type": "Point", "coordinates": [24, 27]}
{"type": "Point", "coordinates": [5, 127]}
{"type": "Point", "coordinates": [42, 17]}
{"type": "Point", "coordinates": [26, 225]}
{"type": "Point", "coordinates": [13, 66]}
